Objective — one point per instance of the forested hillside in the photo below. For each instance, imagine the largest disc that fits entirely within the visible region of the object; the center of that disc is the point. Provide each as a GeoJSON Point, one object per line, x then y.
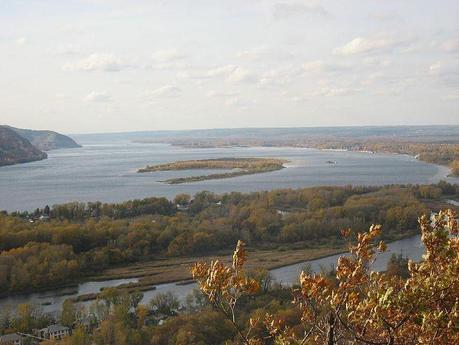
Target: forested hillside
{"type": "Point", "coordinates": [46, 140]}
{"type": "Point", "coordinates": [81, 239]}
{"type": "Point", "coordinates": [16, 149]}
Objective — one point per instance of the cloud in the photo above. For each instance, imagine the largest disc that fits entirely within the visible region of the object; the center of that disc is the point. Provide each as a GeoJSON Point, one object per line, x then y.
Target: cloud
{"type": "Point", "coordinates": [21, 41]}
{"type": "Point", "coordinates": [451, 45]}
{"type": "Point", "coordinates": [98, 97]}
{"type": "Point", "coordinates": [97, 62]}
{"type": "Point", "coordinates": [284, 10]}
{"type": "Point", "coordinates": [166, 91]}
{"type": "Point", "coordinates": [320, 66]}
{"type": "Point", "coordinates": [230, 73]}
{"type": "Point", "coordinates": [221, 71]}
{"type": "Point", "coordinates": [216, 94]}
{"type": "Point", "coordinates": [454, 96]}
{"type": "Point", "coordinates": [361, 45]}
{"type": "Point", "coordinates": [331, 92]}
{"type": "Point", "coordinates": [208, 73]}
{"type": "Point", "coordinates": [241, 74]}
{"type": "Point", "coordinates": [446, 72]}
{"type": "Point", "coordinates": [279, 76]}
{"type": "Point", "coordinates": [237, 102]}
{"type": "Point", "coordinates": [389, 17]}
{"type": "Point", "coordinates": [65, 50]}
{"type": "Point", "coordinates": [254, 54]}
{"type": "Point", "coordinates": [168, 55]}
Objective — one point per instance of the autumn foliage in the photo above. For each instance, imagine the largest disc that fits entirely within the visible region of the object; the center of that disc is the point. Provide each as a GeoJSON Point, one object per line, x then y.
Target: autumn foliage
{"type": "Point", "coordinates": [358, 306]}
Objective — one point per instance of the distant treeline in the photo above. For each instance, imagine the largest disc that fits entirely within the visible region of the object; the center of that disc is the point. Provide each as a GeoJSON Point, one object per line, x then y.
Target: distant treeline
{"type": "Point", "coordinates": [77, 238]}
{"type": "Point", "coordinates": [439, 151]}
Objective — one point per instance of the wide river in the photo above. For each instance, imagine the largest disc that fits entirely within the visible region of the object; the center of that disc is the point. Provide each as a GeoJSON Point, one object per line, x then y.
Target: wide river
{"type": "Point", "coordinates": [106, 171]}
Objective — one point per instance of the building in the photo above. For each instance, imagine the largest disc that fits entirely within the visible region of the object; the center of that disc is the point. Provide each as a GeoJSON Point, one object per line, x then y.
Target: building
{"type": "Point", "coordinates": [11, 339]}
{"type": "Point", "coordinates": [54, 332]}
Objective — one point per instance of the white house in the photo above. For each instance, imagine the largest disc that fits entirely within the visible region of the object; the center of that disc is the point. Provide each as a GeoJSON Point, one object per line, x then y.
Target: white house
{"type": "Point", "coordinates": [55, 332]}
{"type": "Point", "coordinates": [11, 339]}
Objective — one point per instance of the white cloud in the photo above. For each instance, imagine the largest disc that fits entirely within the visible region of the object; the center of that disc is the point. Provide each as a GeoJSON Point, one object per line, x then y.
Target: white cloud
{"type": "Point", "coordinates": [279, 76]}
{"type": "Point", "coordinates": [447, 72]}
{"type": "Point", "coordinates": [454, 96]}
{"type": "Point", "coordinates": [60, 96]}
{"type": "Point", "coordinates": [230, 73]}
{"type": "Point", "coordinates": [208, 73]}
{"type": "Point", "coordinates": [214, 93]}
{"type": "Point", "coordinates": [361, 45]}
{"type": "Point", "coordinates": [168, 55]}
{"type": "Point", "coordinates": [66, 50]}
{"type": "Point", "coordinates": [241, 74]}
{"type": "Point", "coordinates": [21, 41]}
{"type": "Point", "coordinates": [320, 66]}
{"type": "Point", "coordinates": [331, 92]}
{"type": "Point", "coordinates": [98, 97]}
{"type": "Point", "coordinates": [219, 71]}
{"type": "Point", "coordinates": [167, 91]}
{"type": "Point", "coordinates": [237, 102]}
{"type": "Point", "coordinates": [253, 54]}
{"type": "Point", "coordinates": [451, 45]}
{"type": "Point", "coordinates": [284, 10]}
{"type": "Point", "coordinates": [97, 62]}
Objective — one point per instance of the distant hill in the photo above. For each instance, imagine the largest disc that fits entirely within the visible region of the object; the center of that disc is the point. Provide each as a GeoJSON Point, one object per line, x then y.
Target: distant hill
{"type": "Point", "coordinates": [16, 149]}
{"type": "Point", "coordinates": [439, 134]}
{"type": "Point", "coordinates": [46, 140]}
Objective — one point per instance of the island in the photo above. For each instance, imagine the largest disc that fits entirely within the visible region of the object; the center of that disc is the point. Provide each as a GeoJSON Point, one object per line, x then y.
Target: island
{"type": "Point", "coordinates": [241, 166]}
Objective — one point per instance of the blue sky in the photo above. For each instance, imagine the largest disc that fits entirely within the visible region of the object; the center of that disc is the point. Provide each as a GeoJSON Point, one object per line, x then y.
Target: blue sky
{"type": "Point", "coordinates": [117, 65]}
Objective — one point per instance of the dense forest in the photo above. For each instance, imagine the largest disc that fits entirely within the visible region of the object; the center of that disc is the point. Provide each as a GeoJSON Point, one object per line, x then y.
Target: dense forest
{"type": "Point", "coordinates": [409, 303]}
{"type": "Point", "coordinates": [59, 244]}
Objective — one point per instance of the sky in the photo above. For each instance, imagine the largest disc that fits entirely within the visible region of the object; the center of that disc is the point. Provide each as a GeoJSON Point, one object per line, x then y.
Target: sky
{"type": "Point", "coordinates": [82, 66]}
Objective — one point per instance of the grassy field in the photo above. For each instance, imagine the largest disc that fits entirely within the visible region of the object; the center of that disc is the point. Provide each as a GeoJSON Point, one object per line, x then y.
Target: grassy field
{"type": "Point", "coordinates": [168, 270]}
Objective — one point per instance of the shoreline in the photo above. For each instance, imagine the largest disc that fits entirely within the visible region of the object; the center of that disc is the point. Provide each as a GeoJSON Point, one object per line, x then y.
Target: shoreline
{"type": "Point", "coordinates": [416, 156]}
{"type": "Point", "coordinates": [184, 278]}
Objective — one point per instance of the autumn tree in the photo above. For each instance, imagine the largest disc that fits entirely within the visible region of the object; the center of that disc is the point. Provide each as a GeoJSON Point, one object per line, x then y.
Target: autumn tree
{"type": "Point", "coordinates": [224, 286]}
{"type": "Point", "coordinates": [164, 303]}
{"type": "Point", "coordinates": [358, 305]}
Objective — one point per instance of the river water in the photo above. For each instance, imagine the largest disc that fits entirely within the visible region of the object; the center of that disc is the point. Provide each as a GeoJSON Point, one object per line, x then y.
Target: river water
{"type": "Point", "coordinates": [106, 171]}
{"type": "Point", "coordinates": [51, 301]}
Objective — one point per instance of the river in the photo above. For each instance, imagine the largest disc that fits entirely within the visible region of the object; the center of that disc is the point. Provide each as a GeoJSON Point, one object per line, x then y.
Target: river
{"type": "Point", "coordinates": [106, 171]}
{"type": "Point", "coordinates": [51, 301]}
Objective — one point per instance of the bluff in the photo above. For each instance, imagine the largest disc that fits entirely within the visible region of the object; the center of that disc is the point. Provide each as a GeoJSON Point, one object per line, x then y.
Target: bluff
{"type": "Point", "coordinates": [46, 140]}
{"type": "Point", "coordinates": [16, 149]}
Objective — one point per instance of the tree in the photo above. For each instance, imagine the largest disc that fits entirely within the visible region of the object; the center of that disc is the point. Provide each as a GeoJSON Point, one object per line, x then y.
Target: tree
{"type": "Point", "coordinates": [361, 306]}
{"type": "Point", "coordinates": [164, 303]}
{"type": "Point", "coordinates": [224, 286]}
{"type": "Point", "coordinates": [398, 266]}
{"type": "Point", "coordinates": [182, 199]}
{"type": "Point", "coordinates": [136, 297]}
{"type": "Point", "coordinates": [68, 313]}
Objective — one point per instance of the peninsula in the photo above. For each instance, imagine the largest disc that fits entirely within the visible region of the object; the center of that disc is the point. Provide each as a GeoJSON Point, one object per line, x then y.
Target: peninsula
{"type": "Point", "coordinates": [241, 166]}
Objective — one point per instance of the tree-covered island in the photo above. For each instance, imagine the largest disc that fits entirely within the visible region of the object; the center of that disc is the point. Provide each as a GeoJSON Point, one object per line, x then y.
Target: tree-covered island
{"type": "Point", "coordinates": [241, 166]}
